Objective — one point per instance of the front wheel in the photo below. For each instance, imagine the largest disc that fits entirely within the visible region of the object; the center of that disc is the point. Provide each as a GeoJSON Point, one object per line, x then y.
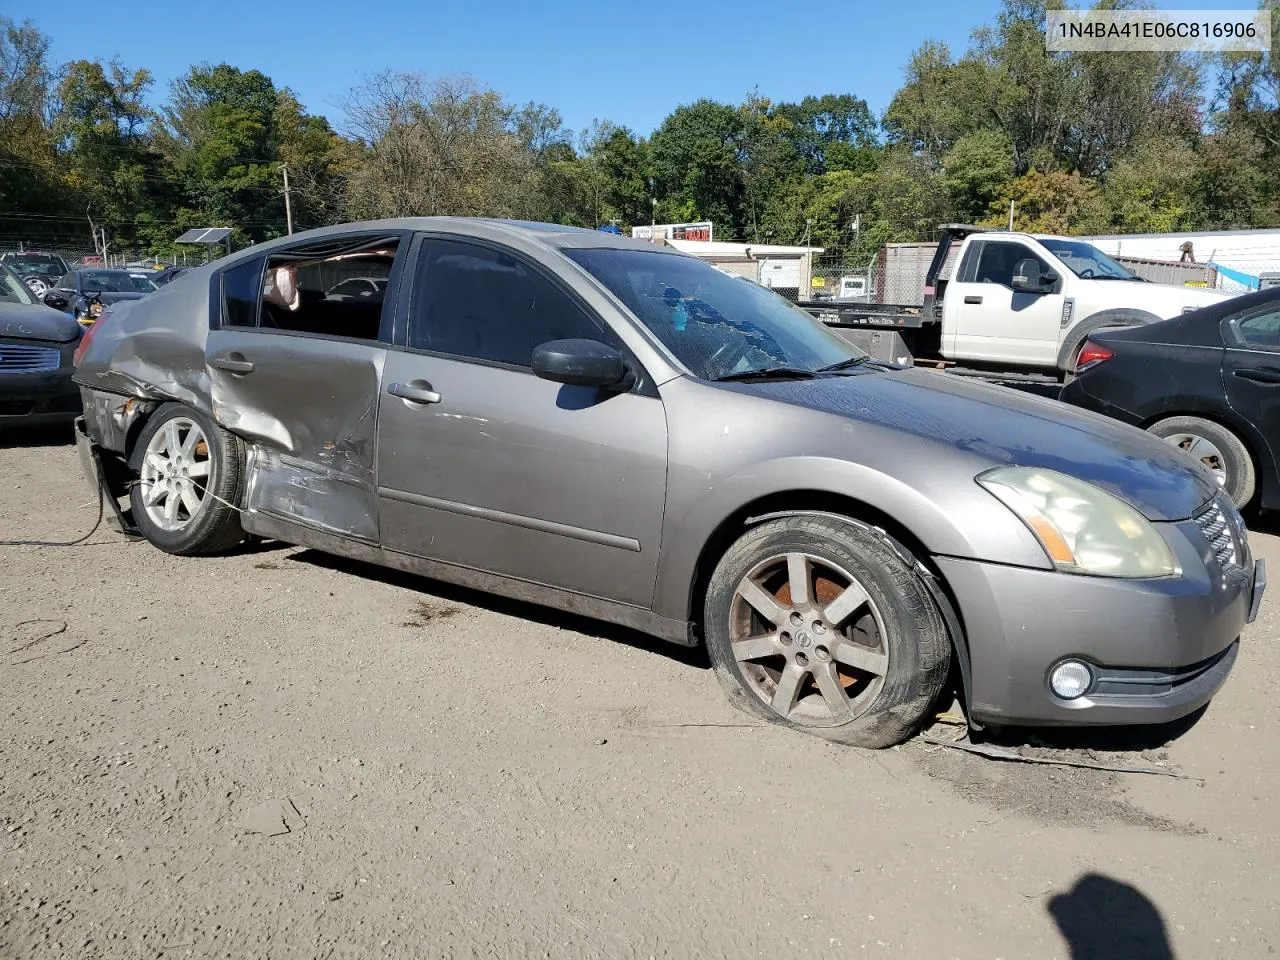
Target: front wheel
{"type": "Point", "coordinates": [815, 623]}
{"type": "Point", "coordinates": [1219, 451]}
{"type": "Point", "coordinates": [188, 483]}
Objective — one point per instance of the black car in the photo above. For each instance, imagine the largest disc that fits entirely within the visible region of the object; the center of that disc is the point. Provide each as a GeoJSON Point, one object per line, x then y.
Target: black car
{"type": "Point", "coordinates": [39, 271]}
{"type": "Point", "coordinates": [37, 347]}
{"type": "Point", "coordinates": [162, 277]}
{"type": "Point", "coordinates": [1207, 381]}
{"type": "Point", "coordinates": [84, 291]}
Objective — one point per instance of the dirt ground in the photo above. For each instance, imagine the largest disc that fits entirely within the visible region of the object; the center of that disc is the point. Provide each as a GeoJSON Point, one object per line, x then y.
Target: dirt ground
{"type": "Point", "coordinates": [461, 776]}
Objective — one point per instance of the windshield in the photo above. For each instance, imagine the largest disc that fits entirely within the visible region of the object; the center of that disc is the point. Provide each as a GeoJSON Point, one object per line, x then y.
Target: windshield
{"type": "Point", "coordinates": [1085, 261]}
{"type": "Point", "coordinates": [115, 281]}
{"type": "Point", "coordinates": [12, 289]}
{"type": "Point", "coordinates": [36, 264]}
{"type": "Point", "coordinates": [716, 325]}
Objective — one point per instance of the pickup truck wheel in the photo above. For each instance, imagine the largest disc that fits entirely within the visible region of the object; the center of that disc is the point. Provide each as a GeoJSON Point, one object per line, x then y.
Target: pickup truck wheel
{"type": "Point", "coordinates": [817, 624]}
{"type": "Point", "coordinates": [188, 476]}
{"type": "Point", "coordinates": [1220, 451]}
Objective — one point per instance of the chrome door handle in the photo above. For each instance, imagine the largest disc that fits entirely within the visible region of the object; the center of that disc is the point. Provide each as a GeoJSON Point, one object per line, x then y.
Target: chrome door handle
{"type": "Point", "coordinates": [232, 363]}
{"type": "Point", "coordinates": [414, 394]}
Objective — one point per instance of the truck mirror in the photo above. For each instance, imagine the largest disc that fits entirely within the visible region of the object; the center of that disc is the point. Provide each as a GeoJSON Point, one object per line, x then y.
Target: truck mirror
{"type": "Point", "coordinates": [1027, 277]}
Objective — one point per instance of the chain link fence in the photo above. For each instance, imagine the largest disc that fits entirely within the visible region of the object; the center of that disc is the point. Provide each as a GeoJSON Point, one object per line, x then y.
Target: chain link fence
{"type": "Point", "coordinates": [841, 281]}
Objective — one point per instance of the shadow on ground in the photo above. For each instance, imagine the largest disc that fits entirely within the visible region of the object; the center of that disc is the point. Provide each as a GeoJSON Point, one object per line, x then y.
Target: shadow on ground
{"type": "Point", "coordinates": [1103, 919]}
{"type": "Point", "coordinates": [690, 656]}
{"type": "Point", "coordinates": [1100, 739]}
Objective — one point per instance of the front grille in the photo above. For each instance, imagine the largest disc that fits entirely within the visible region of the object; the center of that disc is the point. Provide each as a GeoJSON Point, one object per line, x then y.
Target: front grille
{"type": "Point", "coordinates": [24, 358]}
{"type": "Point", "coordinates": [1221, 531]}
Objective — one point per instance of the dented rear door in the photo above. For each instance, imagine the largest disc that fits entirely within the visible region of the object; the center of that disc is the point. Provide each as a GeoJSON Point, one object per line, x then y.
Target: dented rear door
{"type": "Point", "coordinates": [307, 409]}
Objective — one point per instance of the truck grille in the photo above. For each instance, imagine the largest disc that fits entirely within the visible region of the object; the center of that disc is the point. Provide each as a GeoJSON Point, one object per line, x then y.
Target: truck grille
{"type": "Point", "coordinates": [1222, 532]}
{"type": "Point", "coordinates": [24, 358]}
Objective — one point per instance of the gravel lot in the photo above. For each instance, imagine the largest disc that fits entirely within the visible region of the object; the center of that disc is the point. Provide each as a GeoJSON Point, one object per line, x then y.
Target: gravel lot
{"type": "Point", "coordinates": [468, 777]}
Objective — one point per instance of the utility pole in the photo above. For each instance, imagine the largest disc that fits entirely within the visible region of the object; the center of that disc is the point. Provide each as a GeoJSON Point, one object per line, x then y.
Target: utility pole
{"type": "Point", "coordinates": [288, 208]}
{"type": "Point", "coordinates": [1012, 206]}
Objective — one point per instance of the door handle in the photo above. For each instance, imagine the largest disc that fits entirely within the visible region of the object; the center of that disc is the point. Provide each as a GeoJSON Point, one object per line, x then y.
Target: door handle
{"type": "Point", "coordinates": [417, 392]}
{"type": "Point", "coordinates": [232, 363]}
{"type": "Point", "coordinates": [972, 299]}
{"type": "Point", "coordinates": [1268, 375]}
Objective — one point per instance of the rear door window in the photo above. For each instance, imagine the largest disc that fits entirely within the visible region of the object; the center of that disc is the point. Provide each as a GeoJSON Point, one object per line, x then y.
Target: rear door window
{"type": "Point", "coordinates": [1259, 330]}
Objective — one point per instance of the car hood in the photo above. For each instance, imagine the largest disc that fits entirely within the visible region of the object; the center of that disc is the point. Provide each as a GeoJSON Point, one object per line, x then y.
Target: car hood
{"type": "Point", "coordinates": [998, 426]}
{"type": "Point", "coordinates": [1165, 300]}
{"type": "Point", "coordinates": [37, 322]}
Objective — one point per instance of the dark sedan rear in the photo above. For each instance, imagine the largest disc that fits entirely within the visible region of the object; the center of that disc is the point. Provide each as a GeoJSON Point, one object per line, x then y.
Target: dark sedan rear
{"type": "Point", "coordinates": [1207, 381]}
{"type": "Point", "coordinates": [37, 346]}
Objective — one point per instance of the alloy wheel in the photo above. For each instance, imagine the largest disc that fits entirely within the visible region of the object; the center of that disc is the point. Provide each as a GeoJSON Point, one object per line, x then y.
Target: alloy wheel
{"type": "Point", "coordinates": [808, 639]}
{"type": "Point", "coordinates": [175, 474]}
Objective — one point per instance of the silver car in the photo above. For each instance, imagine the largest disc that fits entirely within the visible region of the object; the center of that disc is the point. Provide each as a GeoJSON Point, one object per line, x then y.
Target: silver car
{"type": "Point", "coordinates": [609, 427]}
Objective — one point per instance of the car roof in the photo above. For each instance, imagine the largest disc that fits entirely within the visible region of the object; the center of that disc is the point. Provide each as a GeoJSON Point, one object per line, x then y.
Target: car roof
{"type": "Point", "coordinates": [552, 235]}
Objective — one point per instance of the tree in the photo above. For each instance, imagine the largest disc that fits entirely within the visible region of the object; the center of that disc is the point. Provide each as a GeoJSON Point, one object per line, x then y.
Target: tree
{"type": "Point", "coordinates": [103, 128]}
{"type": "Point", "coordinates": [975, 170]}
{"type": "Point", "coordinates": [29, 174]}
{"type": "Point", "coordinates": [696, 164]}
{"type": "Point", "coordinates": [223, 144]}
{"type": "Point", "coordinates": [445, 146]}
{"type": "Point", "coordinates": [1149, 188]}
{"type": "Point", "coordinates": [817, 124]}
{"type": "Point", "coordinates": [1053, 202]}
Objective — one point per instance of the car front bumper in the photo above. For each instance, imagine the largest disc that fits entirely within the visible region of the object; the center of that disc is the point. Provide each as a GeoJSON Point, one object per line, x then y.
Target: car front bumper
{"type": "Point", "coordinates": [36, 399]}
{"type": "Point", "coordinates": [1160, 649]}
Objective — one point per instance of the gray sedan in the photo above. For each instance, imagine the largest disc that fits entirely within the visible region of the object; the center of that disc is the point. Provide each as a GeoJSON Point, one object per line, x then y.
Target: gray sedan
{"type": "Point", "coordinates": [609, 427]}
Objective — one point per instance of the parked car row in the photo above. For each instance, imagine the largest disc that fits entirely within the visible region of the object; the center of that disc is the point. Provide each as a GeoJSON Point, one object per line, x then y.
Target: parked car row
{"type": "Point", "coordinates": [597, 424]}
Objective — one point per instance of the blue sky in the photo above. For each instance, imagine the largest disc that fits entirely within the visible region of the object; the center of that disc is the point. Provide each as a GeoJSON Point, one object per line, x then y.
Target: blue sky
{"type": "Point", "coordinates": [619, 60]}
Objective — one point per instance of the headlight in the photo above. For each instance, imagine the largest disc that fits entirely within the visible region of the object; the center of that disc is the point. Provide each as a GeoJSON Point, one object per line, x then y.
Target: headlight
{"type": "Point", "coordinates": [1082, 529]}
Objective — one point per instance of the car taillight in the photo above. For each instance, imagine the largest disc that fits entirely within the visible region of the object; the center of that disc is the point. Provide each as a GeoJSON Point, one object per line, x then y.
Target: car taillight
{"type": "Point", "coordinates": [1091, 354]}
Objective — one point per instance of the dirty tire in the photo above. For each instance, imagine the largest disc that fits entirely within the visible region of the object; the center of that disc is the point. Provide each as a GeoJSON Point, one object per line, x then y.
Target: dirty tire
{"type": "Point", "coordinates": [215, 527]}
{"type": "Point", "coordinates": [1240, 481]}
{"type": "Point", "coordinates": [912, 632]}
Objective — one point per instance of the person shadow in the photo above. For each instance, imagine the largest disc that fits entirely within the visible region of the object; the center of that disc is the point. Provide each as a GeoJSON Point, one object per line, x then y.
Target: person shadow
{"type": "Point", "coordinates": [1103, 919]}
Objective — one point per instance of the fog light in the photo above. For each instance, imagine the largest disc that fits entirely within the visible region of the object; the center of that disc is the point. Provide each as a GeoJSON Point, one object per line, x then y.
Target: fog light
{"type": "Point", "coordinates": [1070, 679]}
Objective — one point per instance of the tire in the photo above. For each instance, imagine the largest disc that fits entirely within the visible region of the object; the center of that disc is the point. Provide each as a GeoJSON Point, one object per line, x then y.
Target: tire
{"type": "Point", "coordinates": [1216, 445]}
{"type": "Point", "coordinates": [863, 604]}
{"type": "Point", "coordinates": [213, 526]}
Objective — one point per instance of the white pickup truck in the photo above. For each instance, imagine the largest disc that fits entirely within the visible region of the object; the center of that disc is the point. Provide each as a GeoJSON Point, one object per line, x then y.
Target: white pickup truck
{"type": "Point", "coordinates": [1015, 304]}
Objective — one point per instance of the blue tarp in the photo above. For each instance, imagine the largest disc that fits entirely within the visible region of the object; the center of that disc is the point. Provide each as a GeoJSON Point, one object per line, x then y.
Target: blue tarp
{"type": "Point", "coordinates": [1244, 279]}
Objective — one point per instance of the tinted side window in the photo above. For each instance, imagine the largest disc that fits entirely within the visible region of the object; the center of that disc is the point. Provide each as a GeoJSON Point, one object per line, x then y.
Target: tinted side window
{"type": "Point", "coordinates": [241, 286]}
{"type": "Point", "coordinates": [483, 304]}
{"type": "Point", "coordinates": [1261, 329]}
{"type": "Point", "coordinates": [999, 259]}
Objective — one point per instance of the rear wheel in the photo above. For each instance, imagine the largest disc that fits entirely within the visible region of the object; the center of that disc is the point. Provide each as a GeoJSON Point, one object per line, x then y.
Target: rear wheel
{"type": "Point", "coordinates": [1219, 450]}
{"type": "Point", "coordinates": [188, 480]}
{"type": "Point", "coordinates": [815, 623]}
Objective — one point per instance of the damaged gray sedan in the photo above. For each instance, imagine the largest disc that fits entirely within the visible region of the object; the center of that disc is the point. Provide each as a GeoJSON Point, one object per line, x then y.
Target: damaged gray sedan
{"type": "Point", "coordinates": [612, 428]}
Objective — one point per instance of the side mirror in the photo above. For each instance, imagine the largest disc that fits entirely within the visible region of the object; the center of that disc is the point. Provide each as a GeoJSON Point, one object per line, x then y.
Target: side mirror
{"type": "Point", "coordinates": [582, 363]}
{"type": "Point", "coordinates": [56, 300]}
{"type": "Point", "coordinates": [1027, 277]}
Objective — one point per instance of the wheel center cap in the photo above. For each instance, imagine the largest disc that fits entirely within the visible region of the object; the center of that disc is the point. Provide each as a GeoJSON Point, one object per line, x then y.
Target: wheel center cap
{"type": "Point", "coordinates": [803, 639]}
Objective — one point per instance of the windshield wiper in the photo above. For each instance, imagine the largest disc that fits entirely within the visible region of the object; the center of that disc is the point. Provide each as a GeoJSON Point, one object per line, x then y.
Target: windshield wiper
{"type": "Point", "coordinates": [846, 364]}
{"type": "Point", "coordinates": [767, 373]}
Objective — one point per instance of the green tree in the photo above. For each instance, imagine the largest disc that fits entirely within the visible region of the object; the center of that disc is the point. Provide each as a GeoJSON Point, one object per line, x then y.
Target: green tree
{"type": "Point", "coordinates": [222, 143]}
{"type": "Point", "coordinates": [103, 129]}
{"type": "Point", "coordinates": [30, 178]}
{"type": "Point", "coordinates": [696, 164]}
{"type": "Point", "coordinates": [1053, 202]}
{"type": "Point", "coordinates": [975, 170]}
